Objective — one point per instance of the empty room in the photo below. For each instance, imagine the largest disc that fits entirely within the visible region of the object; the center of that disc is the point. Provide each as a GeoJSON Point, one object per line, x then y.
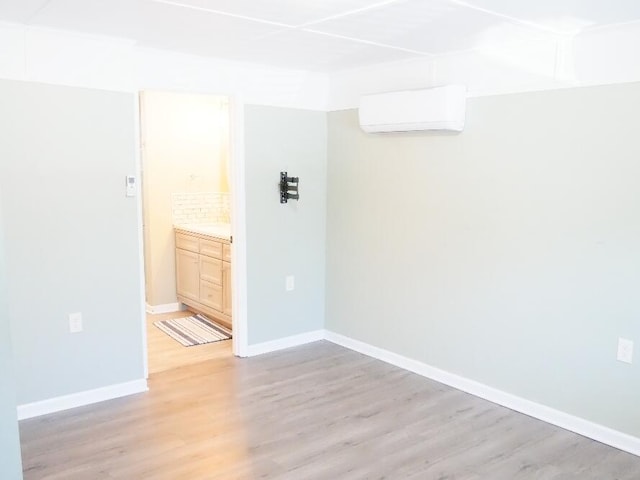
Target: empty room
{"type": "Point", "coordinates": [295, 239]}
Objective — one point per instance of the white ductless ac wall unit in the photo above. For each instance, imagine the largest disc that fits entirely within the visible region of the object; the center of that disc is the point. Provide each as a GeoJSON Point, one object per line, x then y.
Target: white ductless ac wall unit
{"type": "Point", "coordinates": [438, 108]}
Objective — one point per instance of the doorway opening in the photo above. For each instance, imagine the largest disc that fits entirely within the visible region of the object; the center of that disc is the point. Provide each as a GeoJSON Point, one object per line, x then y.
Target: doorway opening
{"type": "Point", "coordinates": [188, 175]}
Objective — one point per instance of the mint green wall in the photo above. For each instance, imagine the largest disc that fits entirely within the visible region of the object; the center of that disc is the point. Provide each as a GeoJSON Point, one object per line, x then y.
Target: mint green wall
{"type": "Point", "coordinates": [71, 237]}
{"type": "Point", "coordinates": [285, 239]}
{"type": "Point", "coordinates": [10, 464]}
{"type": "Point", "coordinates": [508, 254]}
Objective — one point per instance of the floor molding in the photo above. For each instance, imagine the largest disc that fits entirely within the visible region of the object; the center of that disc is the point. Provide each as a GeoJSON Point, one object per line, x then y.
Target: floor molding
{"type": "Point", "coordinates": [564, 420]}
{"type": "Point", "coordinates": [592, 430]}
{"type": "Point", "coordinates": [58, 404]}
{"type": "Point", "coordinates": [287, 342]}
{"type": "Point", "coordinates": [164, 308]}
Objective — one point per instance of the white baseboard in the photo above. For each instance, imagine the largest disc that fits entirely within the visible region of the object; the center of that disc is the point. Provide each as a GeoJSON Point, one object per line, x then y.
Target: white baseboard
{"type": "Point", "coordinates": [165, 308]}
{"type": "Point", "coordinates": [589, 429]}
{"type": "Point", "coordinates": [595, 431]}
{"type": "Point", "coordinates": [58, 404]}
{"type": "Point", "coordinates": [287, 342]}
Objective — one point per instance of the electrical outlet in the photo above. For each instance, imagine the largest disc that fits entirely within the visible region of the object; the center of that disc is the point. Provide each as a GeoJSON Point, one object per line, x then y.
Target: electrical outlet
{"type": "Point", "coordinates": [75, 322]}
{"type": "Point", "coordinates": [625, 350]}
{"type": "Point", "coordinates": [289, 283]}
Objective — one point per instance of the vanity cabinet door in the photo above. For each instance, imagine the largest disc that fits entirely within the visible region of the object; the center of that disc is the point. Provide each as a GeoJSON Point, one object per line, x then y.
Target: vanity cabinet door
{"type": "Point", "coordinates": [188, 274]}
{"type": "Point", "coordinates": [211, 269]}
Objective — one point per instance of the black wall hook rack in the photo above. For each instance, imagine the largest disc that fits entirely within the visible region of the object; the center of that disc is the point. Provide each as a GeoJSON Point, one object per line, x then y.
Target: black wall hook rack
{"type": "Point", "coordinates": [287, 185]}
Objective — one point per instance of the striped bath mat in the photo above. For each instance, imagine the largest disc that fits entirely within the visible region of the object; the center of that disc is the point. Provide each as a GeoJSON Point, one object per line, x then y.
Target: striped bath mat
{"type": "Point", "coordinates": [195, 330]}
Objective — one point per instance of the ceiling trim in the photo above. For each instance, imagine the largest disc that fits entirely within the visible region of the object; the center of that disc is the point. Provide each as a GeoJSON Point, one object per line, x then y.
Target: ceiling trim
{"type": "Point", "coordinates": [350, 12]}
{"type": "Point", "coordinates": [529, 27]}
{"type": "Point", "coordinates": [528, 23]}
{"type": "Point", "coordinates": [226, 14]}
{"type": "Point", "coordinates": [303, 26]}
{"type": "Point", "coordinates": [33, 14]}
{"type": "Point", "coordinates": [366, 42]}
{"type": "Point", "coordinates": [383, 3]}
{"type": "Point", "coordinates": [606, 26]}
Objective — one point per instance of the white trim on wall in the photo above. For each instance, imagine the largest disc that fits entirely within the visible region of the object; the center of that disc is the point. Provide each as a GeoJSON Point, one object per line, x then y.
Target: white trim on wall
{"type": "Point", "coordinates": [238, 229]}
{"type": "Point", "coordinates": [140, 220]}
{"type": "Point", "coordinates": [287, 342]}
{"type": "Point", "coordinates": [586, 428]}
{"type": "Point", "coordinates": [583, 427]}
{"type": "Point", "coordinates": [88, 397]}
{"type": "Point", "coordinates": [119, 64]}
{"type": "Point", "coordinates": [165, 307]}
{"type": "Point", "coordinates": [594, 57]}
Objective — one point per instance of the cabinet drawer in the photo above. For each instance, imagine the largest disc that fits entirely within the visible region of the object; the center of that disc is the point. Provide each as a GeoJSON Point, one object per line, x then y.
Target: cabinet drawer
{"type": "Point", "coordinates": [211, 248]}
{"type": "Point", "coordinates": [187, 242]}
{"type": "Point", "coordinates": [211, 295]}
{"type": "Point", "coordinates": [211, 269]}
{"type": "Point", "coordinates": [226, 252]}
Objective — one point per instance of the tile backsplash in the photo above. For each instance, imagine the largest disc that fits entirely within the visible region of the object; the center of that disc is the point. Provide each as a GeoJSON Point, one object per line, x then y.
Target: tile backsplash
{"type": "Point", "coordinates": [201, 207]}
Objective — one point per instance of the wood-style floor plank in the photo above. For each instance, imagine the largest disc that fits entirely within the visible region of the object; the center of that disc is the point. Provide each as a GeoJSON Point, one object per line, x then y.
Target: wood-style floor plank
{"type": "Point", "coordinates": [314, 412]}
{"type": "Point", "coordinates": [165, 353]}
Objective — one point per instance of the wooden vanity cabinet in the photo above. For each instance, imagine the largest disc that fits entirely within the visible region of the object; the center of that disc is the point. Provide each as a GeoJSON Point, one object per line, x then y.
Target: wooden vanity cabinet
{"type": "Point", "coordinates": [203, 274]}
{"type": "Point", "coordinates": [188, 274]}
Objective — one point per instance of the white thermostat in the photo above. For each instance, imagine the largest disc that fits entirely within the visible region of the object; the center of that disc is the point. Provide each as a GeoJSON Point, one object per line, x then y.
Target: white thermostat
{"type": "Point", "coordinates": [131, 186]}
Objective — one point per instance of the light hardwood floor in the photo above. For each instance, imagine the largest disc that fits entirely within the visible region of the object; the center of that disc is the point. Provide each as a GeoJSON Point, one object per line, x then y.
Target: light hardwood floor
{"type": "Point", "coordinates": [165, 353]}
{"type": "Point", "coordinates": [313, 412]}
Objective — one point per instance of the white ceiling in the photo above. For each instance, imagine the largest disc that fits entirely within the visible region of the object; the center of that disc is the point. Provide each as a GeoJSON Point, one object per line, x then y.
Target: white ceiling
{"type": "Point", "coordinates": [322, 35]}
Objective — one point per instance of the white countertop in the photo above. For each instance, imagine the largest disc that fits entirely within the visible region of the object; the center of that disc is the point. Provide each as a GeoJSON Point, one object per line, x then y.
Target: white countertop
{"type": "Point", "coordinates": [217, 230]}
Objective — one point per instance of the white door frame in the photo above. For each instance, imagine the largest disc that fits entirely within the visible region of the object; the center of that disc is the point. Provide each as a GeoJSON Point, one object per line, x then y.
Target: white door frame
{"type": "Point", "coordinates": [142, 281]}
{"type": "Point", "coordinates": [238, 229]}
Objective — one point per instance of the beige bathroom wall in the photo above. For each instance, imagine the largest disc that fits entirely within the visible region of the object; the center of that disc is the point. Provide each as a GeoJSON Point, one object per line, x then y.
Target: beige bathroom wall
{"type": "Point", "coordinates": [185, 150]}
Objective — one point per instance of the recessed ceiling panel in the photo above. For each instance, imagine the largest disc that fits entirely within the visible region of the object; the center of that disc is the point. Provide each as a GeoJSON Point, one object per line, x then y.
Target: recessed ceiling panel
{"type": "Point", "coordinates": [435, 26]}
{"type": "Point", "coordinates": [152, 24]}
{"type": "Point", "coordinates": [291, 12]}
{"type": "Point", "coordinates": [117, 18]}
{"type": "Point", "coordinates": [19, 10]}
{"type": "Point", "coordinates": [196, 32]}
{"type": "Point", "coordinates": [331, 34]}
{"type": "Point", "coordinates": [568, 16]}
{"type": "Point", "coordinates": [310, 51]}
